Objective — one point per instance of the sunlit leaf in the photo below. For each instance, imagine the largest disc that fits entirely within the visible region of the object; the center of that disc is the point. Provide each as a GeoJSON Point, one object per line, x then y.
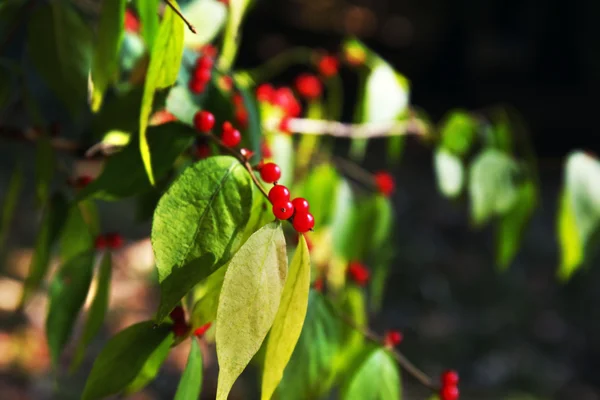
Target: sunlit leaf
{"type": "Point", "coordinates": [320, 188]}
{"type": "Point", "coordinates": [249, 301]}
{"type": "Point", "coordinates": [150, 368]}
{"type": "Point", "coordinates": [68, 291]}
{"type": "Point", "coordinates": [289, 320]}
{"type": "Point", "coordinates": [165, 60]}
{"type": "Point", "coordinates": [353, 308]}
{"type": "Point", "coordinates": [449, 173]}
{"type": "Point", "coordinates": [190, 383]}
{"type": "Point", "coordinates": [215, 192]}
{"type": "Point", "coordinates": [375, 378]}
{"type": "Point", "coordinates": [282, 147]}
{"type": "Point", "coordinates": [9, 203]}
{"type": "Point", "coordinates": [458, 132]}
{"type": "Point", "coordinates": [124, 358]}
{"type": "Point", "coordinates": [237, 9]}
{"type": "Point", "coordinates": [110, 35]}
{"type": "Point", "coordinates": [148, 13]}
{"type": "Point", "coordinates": [208, 17]}
{"type": "Point", "coordinates": [206, 295]}
{"type": "Point", "coordinates": [97, 311]}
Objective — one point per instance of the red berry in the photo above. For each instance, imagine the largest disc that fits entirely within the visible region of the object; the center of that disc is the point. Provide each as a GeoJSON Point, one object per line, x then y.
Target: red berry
{"type": "Point", "coordinates": [328, 66]}
{"type": "Point", "coordinates": [202, 330]}
{"type": "Point", "coordinates": [450, 378]}
{"type": "Point", "coordinates": [202, 75]}
{"type": "Point", "coordinates": [264, 92]}
{"type": "Point", "coordinates": [237, 100]}
{"type": "Point", "coordinates": [270, 172]}
{"type": "Point", "coordinates": [284, 125]}
{"type": "Point", "coordinates": [385, 183]}
{"type": "Point", "coordinates": [227, 126]}
{"type": "Point", "coordinates": [202, 151]}
{"type": "Point", "coordinates": [231, 138]}
{"type": "Point", "coordinates": [358, 273]}
{"type": "Point", "coordinates": [204, 121]}
{"type": "Point", "coordinates": [196, 86]}
{"type": "Point", "coordinates": [177, 314]}
{"type": "Point", "coordinates": [303, 222]}
{"type": "Point", "coordinates": [132, 24]}
{"type": "Point", "coordinates": [100, 242]}
{"type": "Point", "coordinates": [209, 50]}
{"type": "Point", "coordinates": [309, 86]}
{"type": "Point", "coordinates": [114, 240]}
{"type": "Point", "coordinates": [318, 284]}
{"type": "Point", "coordinates": [83, 181]}
{"type": "Point", "coordinates": [300, 205]}
{"type": "Point", "coordinates": [204, 62]}
{"type": "Point", "coordinates": [449, 393]}
{"type": "Point", "coordinates": [278, 194]}
{"type": "Point", "coordinates": [393, 338]}
{"type": "Point", "coordinates": [241, 117]}
{"type": "Point", "coordinates": [284, 98]}
{"type": "Point", "coordinates": [283, 210]}
{"type": "Point", "coordinates": [180, 328]}
{"type": "Point", "coordinates": [265, 150]}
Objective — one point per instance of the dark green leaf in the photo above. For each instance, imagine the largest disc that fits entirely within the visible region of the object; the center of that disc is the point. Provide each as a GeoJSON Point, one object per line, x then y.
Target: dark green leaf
{"type": "Point", "coordinates": [59, 45]}
{"type": "Point", "coordinates": [148, 12]}
{"type": "Point", "coordinates": [54, 217]}
{"type": "Point", "coordinates": [68, 291]}
{"type": "Point", "coordinates": [167, 142]}
{"type": "Point", "coordinates": [108, 43]}
{"type": "Point", "coordinates": [198, 225]}
{"type": "Point", "coordinates": [249, 301]}
{"type": "Point", "coordinates": [76, 236]}
{"type": "Point", "coordinates": [95, 317]}
{"type": "Point", "coordinates": [449, 172]}
{"type": "Point", "coordinates": [253, 134]}
{"type": "Point", "coordinates": [124, 357]}
{"type": "Point", "coordinates": [458, 132]}
{"type": "Point", "coordinates": [376, 378]}
{"type": "Point", "coordinates": [165, 60]}
{"type": "Point", "coordinates": [9, 203]}
{"type": "Point", "coordinates": [190, 384]}
{"type": "Point", "coordinates": [44, 169]}
{"type": "Point", "coordinates": [151, 367]}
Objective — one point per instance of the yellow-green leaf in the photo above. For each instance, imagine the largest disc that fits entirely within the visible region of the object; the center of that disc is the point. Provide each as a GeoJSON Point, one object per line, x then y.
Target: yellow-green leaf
{"type": "Point", "coordinates": [165, 60]}
{"type": "Point", "coordinates": [190, 383]}
{"type": "Point", "coordinates": [289, 320]}
{"type": "Point", "coordinates": [571, 245]}
{"type": "Point", "coordinates": [237, 8]}
{"type": "Point", "coordinates": [376, 378]}
{"type": "Point", "coordinates": [249, 301]}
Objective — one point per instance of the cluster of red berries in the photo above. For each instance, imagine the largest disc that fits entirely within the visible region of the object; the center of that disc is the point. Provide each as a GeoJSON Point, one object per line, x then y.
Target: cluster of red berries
{"type": "Point", "coordinates": [449, 389]}
{"type": "Point", "coordinates": [201, 74]}
{"type": "Point", "coordinates": [180, 325]}
{"type": "Point", "coordinates": [204, 121]}
{"type": "Point", "coordinates": [111, 240]}
{"type": "Point", "coordinates": [328, 65]}
{"type": "Point", "coordinates": [359, 273]}
{"type": "Point", "coordinates": [296, 210]}
{"type": "Point", "coordinates": [385, 183]}
{"type": "Point", "coordinates": [283, 98]}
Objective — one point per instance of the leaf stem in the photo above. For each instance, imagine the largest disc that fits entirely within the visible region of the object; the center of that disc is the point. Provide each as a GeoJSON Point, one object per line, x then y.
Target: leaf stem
{"type": "Point", "coordinates": [184, 19]}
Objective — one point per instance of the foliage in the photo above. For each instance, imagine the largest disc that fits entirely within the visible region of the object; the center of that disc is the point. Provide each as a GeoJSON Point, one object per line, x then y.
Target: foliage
{"type": "Point", "coordinates": [218, 252]}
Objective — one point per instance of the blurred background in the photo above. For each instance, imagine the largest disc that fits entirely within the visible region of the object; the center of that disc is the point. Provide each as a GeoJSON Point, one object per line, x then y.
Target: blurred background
{"type": "Point", "coordinates": [514, 335]}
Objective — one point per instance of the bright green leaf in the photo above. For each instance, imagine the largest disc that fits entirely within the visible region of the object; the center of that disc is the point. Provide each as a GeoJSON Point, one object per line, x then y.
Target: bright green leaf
{"type": "Point", "coordinates": [95, 317]}
{"type": "Point", "coordinates": [512, 225]}
{"type": "Point", "coordinates": [68, 291]}
{"type": "Point", "coordinates": [198, 224]}
{"type": "Point", "coordinates": [124, 357]}
{"type": "Point", "coordinates": [491, 185]}
{"type": "Point", "coordinates": [165, 60]}
{"type": "Point", "coordinates": [110, 36]}
{"type": "Point", "coordinates": [54, 217]}
{"type": "Point", "coordinates": [59, 44]}
{"type": "Point", "coordinates": [449, 173]}
{"type": "Point", "coordinates": [376, 378]}
{"type": "Point", "coordinates": [10, 203]}
{"type": "Point", "coordinates": [76, 236]}
{"type": "Point", "coordinates": [190, 384]}
{"type": "Point", "coordinates": [237, 8]}
{"type": "Point", "coordinates": [319, 188]}
{"type": "Point", "coordinates": [344, 222]}
{"type": "Point", "coordinates": [148, 13]}
{"type": "Point", "coordinates": [572, 250]}
{"type": "Point", "coordinates": [249, 301]}
{"type": "Point", "coordinates": [352, 307]}
{"type": "Point", "coordinates": [206, 295]}
{"type": "Point", "coordinates": [458, 132]}
{"type": "Point", "coordinates": [289, 320]}
{"type": "Point", "coordinates": [208, 17]}
{"type": "Point", "coordinates": [166, 141]}
{"type": "Point", "coordinates": [151, 367]}
{"type": "Point", "coordinates": [282, 146]}
{"type": "Point", "coordinates": [44, 169]}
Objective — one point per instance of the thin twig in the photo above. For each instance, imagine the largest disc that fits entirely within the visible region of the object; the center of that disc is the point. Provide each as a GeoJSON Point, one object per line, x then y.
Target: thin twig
{"type": "Point", "coordinates": [188, 23]}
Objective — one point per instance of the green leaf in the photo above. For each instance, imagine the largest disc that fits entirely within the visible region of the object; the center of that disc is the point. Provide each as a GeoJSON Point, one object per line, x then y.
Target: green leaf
{"type": "Point", "coordinates": [254, 133]}
{"type": "Point", "coordinates": [105, 62]}
{"type": "Point", "coordinates": [376, 378]}
{"type": "Point", "coordinates": [59, 45]}
{"type": "Point", "coordinates": [198, 224]}
{"type": "Point", "coordinates": [95, 317]}
{"type": "Point", "coordinates": [67, 294]}
{"type": "Point", "coordinates": [166, 141]}
{"type": "Point", "coordinates": [165, 60]}
{"type": "Point", "coordinates": [124, 357]}
{"type": "Point", "coordinates": [512, 225]}
{"type": "Point", "coordinates": [206, 295]}
{"type": "Point", "coordinates": [571, 244]}
{"type": "Point", "coordinates": [249, 301]}
{"type": "Point", "coordinates": [54, 217]}
{"type": "Point", "coordinates": [491, 185]}
{"type": "Point", "coordinates": [237, 8]}
{"type": "Point", "coordinates": [319, 189]}
{"type": "Point", "coordinates": [310, 372]}
{"type": "Point", "coordinates": [190, 384]}
{"type": "Point", "coordinates": [344, 222]}
{"type": "Point", "coordinates": [76, 236]}
{"type": "Point", "coordinates": [44, 169]}
{"type": "Point", "coordinates": [148, 13]}
{"type": "Point", "coordinates": [10, 203]}
{"type": "Point", "coordinates": [458, 132]}
{"type": "Point", "coordinates": [208, 17]}
{"type": "Point", "coordinates": [282, 146]}
{"type": "Point", "coordinates": [352, 307]}
{"type": "Point", "coordinates": [449, 173]}
{"type": "Point", "coordinates": [151, 367]}
{"type": "Point", "coordinates": [289, 320]}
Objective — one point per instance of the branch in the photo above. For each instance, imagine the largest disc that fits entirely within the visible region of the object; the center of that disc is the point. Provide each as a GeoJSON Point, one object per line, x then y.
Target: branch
{"type": "Point", "coordinates": [183, 18]}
